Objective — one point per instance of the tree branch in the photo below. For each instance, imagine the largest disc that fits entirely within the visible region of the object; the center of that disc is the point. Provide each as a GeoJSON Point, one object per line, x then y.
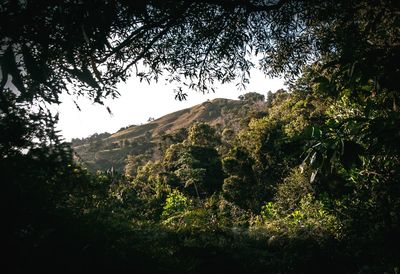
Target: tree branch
{"type": "Point", "coordinates": [246, 4]}
{"type": "Point", "coordinates": [146, 48]}
{"type": "Point", "coordinates": [129, 40]}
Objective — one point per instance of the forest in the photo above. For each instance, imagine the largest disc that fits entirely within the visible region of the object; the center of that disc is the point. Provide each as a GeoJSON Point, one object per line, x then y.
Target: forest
{"type": "Point", "coordinates": [305, 180]}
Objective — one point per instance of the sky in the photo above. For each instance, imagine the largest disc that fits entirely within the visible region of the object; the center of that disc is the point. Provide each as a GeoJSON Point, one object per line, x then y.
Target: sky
{"type": "Point", "coordinates": [139, 101]}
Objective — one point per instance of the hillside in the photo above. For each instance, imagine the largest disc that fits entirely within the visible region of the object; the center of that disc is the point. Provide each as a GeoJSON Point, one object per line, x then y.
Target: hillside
{"type": "Point", "coordinates": [103, 151]}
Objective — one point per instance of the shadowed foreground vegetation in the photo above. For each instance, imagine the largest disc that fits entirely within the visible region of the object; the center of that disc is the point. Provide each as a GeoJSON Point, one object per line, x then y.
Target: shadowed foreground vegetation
{"type": "Point", "coordinates": [255, 200]}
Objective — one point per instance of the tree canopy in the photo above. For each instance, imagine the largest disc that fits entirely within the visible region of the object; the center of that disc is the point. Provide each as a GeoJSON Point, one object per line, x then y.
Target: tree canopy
{"type": "Point", "coordinates": [50, 46]}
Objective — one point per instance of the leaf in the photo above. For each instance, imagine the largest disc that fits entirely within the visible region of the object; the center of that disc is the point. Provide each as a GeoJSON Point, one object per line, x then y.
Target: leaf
{"type": "Point", "coordinates": [313, 159]}
{"type": "Point", "coordinates": [313, 176]}
{"type": "Point", "coordinates": [351, 71]}
{"type": "Point", "coordinates": [109, 110]}
{"type": "Point", "coordinates": [34, 69]}
{"type": "Point", "coordinates": [84, 75]}
{"type": "Point", "coordinates": [10, 65]}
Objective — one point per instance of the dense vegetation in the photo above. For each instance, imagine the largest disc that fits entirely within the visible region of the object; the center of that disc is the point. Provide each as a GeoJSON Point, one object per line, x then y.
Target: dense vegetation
{"type": "Point", "coordinates": [305, 182]}
{"type": "Point", "coordinates": [149, 141]}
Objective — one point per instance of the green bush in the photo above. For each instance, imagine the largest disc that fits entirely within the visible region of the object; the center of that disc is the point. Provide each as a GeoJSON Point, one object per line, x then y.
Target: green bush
{"type": "Point", "coordinates": [175, 203]}
{"type": "Point", "coordinates": [293, 188]}
{"type": "Point", "coordinates": [268, 211]}
{"type": "Point", "coordinates": [309, 220]}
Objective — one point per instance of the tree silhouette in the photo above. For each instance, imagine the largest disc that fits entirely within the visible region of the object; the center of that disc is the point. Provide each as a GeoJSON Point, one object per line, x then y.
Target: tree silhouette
{"type": "Point", "coordinates": [51, 46]}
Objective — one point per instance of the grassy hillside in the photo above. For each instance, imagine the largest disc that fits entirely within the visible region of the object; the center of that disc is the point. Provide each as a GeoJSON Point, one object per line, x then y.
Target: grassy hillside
{"type": "Point", "coordinates": [103, 151]}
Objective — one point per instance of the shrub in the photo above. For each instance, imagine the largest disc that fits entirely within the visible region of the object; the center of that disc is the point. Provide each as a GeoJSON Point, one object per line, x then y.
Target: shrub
{"type": "Point", "coordinates": [309, 220]}
{"type": "Point", "coordinates": [293, 188]}
{"type": "Point", "coordinates": [175, 203]}
{"type": "Point", "coordinates": [268, 211]}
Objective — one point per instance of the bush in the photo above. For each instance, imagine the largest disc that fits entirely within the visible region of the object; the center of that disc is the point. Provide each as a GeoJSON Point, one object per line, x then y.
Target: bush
{"type": "Point", "coordinates": [293, 188]}
{"type": "Point", "coordinates": [309, 220]}
{"type": "Point", "coordinates": [175, 203]}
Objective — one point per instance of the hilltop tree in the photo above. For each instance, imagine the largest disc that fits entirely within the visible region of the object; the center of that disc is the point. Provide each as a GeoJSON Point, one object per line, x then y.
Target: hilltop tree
{"type": "Point", "coordinates": [252, 97]}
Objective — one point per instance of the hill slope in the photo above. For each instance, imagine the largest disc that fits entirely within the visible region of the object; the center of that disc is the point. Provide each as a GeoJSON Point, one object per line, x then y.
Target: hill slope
{"type": "Point", "coordinates": [103, 151]}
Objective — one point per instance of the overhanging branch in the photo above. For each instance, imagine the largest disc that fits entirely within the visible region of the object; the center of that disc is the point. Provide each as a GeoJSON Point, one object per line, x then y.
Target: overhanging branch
{"type": "Point", "coordinates": [248, 5]}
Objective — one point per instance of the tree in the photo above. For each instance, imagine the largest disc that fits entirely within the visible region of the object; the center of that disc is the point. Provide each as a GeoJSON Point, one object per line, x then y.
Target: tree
{"type": "Point", "coordinates": [197, 168]}
{"type": "Point", "coordinates": [202, 134]}
{"type": "Point", "coordinates": [62, 45]}
{"type": "Point", "coordinates": [64, 42]}
{"type": "Point", "coordinates": [240, 186]}
{"type": "Point", "coordinates": [270, 98]}
{"type": "Point", "coordinates": [132, 163]}
{"type": "Point", "coordinates": [195, 161]}
{"type": "Point", "coordinates": [252, 97]}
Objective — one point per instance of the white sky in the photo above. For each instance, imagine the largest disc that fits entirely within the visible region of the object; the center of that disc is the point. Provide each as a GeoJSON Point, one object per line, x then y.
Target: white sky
{"type": "Point", "coordinates": [139, 101]}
